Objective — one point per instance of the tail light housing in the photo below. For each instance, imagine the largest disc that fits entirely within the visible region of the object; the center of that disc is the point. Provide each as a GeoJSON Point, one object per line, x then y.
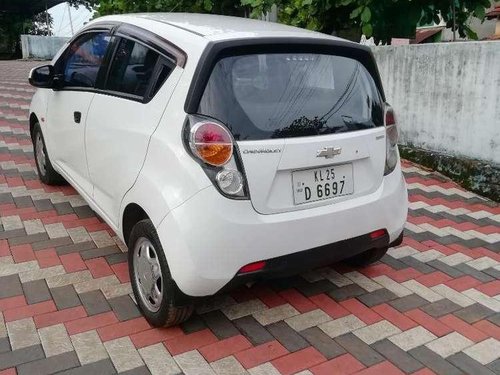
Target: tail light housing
{"type": "Point", "coordinates": [392, 136]}
{"type": "Point", "coordinates": [212, 145]}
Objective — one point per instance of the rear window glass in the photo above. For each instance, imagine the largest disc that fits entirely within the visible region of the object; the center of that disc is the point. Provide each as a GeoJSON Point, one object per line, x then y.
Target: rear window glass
{"type": "Point", "coordinates": [284, 95]}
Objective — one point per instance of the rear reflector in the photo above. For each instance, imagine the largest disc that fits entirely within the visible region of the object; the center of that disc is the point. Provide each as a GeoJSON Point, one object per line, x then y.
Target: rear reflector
{"type": "Point", "coordinates": [377, 234]}
{"type": "Point", "coordinates": [252, 267]}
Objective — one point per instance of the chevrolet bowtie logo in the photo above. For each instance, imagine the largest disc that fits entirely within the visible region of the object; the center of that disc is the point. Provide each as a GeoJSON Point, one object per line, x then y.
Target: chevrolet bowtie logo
{"type": "Point", "coordinates": [329, 152]}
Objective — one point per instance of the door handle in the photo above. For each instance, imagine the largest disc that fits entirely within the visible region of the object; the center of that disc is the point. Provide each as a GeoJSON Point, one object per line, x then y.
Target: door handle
{"type": "Point", "coordinates": [77, 116]}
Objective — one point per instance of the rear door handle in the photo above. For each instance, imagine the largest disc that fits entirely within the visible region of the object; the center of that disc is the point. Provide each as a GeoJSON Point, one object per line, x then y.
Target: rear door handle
{"type": "Point", "coordinates": [77, 116]}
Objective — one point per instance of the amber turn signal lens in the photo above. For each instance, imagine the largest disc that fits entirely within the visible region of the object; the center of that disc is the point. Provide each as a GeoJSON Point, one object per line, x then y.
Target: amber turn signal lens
{"type": "Point", "coordinates": [214, 154]}
{"type": "Point", "coordinates": [212, 143]}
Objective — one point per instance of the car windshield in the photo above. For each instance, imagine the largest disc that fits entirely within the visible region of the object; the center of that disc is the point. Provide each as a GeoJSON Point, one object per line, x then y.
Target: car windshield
{"type": "Point", "coordinates": [282, 95]}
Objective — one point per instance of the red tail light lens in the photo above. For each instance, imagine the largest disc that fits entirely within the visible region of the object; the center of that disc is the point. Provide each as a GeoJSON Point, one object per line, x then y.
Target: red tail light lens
{"type": "Point", "coordinates": [212, 143]}
{"type": "Point", "coordinates": [390, 118]}
{"type": "Point", "coordinates": [252, 267]}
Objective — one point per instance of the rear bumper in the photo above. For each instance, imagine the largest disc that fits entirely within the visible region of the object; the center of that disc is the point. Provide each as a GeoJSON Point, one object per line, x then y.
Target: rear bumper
{"type": "Point", "coordinates": [209, 238]}
{"type": "Point", "coordinates": [295, 263]}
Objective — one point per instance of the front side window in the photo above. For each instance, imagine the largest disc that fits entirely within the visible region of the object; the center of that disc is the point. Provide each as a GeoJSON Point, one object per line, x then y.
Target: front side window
{"type": "Point", "coordinates": [132, 68]}
{"type": "Point", "coordinates": [283, 95]}
{"type": "Point", "coordinates": [84, 58]}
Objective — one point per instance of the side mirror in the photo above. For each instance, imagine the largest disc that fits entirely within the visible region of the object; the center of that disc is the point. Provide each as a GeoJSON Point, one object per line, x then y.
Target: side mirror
{"type": "Point", "coordinates": [42, 77]}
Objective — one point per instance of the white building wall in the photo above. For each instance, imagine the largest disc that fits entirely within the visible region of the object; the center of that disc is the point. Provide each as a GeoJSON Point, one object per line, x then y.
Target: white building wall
{"type": "Point", "coordinates": [446, 96]}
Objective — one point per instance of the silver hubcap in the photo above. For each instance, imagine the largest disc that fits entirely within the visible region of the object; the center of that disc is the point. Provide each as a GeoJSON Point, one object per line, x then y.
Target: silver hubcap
{"type": "Point", "coordinates": [41, 159]}
{"type": "Point", "coordinates": [147, 273]}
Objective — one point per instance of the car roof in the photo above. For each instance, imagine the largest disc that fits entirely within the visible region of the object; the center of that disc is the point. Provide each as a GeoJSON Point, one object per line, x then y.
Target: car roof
{"type": "Point", "coordinates": [217, 27]}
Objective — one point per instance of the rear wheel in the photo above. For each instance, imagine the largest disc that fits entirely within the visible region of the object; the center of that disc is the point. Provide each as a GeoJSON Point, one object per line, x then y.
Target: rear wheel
{"type": "Point", "coordinates": [368, 257]}
{"type": "Point", "coordinates": [153, 286]}
{"type": "Point", "coordinates": [46, 172]}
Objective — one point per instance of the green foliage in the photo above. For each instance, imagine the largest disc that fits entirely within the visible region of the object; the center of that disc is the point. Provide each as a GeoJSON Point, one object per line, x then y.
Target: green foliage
{"type": "Point", "coordinates": [383, 19]}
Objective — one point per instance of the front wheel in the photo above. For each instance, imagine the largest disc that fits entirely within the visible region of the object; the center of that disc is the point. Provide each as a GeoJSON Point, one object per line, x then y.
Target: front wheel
{"type": "Point", "coordinates": [368, 257]}
{"type": "Point", "coordinates": [153, 286]}
{"type": "Point", "coordinates": [46, 171]}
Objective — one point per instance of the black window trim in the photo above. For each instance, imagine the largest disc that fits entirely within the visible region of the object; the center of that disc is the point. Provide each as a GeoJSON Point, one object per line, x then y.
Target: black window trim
{"type": "Point", "coordinates": [215, 51]}
{"type": "Point", "coordinates": [169, 54]}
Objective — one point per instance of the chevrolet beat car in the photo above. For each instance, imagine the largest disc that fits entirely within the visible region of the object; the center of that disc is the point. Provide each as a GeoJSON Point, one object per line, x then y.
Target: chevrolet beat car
{"type": "Point", "coordinates": [221, 150]}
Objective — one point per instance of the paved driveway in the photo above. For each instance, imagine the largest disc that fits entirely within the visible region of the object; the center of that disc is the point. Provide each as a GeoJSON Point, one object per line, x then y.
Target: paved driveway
{"type": "Point", "coordinates": [431, 305]}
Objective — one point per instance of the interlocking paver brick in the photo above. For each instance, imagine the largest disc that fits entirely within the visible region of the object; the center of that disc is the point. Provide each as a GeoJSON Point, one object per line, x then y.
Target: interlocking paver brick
{"type": "Point", "coordinates": [474, 313]}
{"type": "Point", "coordinates": [22, 333]}
{"type": "Point", "coordinates": [228, 366]}
{"type": "Point", "coordinates": [483, 299]}
{"type": "Point", "coordinates": [363, 352]}
{"type": "Point", "coordinates": [412, 338]}
{"type": "Point", "coordinates": [220, 325]}
{"type": "Point", "coordinates": [463, 328]}
{"type": "Point", "coordinates": [88, 347]}
{"type": "Point", "coordinates": [328, 305]}
{"type": "Point", "coordinates": [47, 258]}
{"type": "Point", "coordinates": [49, 365]}
{"type": "Point", "coordinates": [65, 297]}
{"type": "Point", "coordinates": [55, 340]}
{"type": "Point", "coordinates": [123, 354]}
{"type": "Point", "coordinates": [322, 342]}
{"type": "Point", "coordinates": [288, 337]}
{"type": "Point", "coordinates": [345, 364]}
{"type": "Point", "coordinates": [224, 348]}
{"type": "Point", "coordinates": [193, 363]}
{"type": "Point", "coordinates": [4, 345]}
{"type": "Point", "coordinates": [259, 354]}
{"type": "Point", "coordinates": [252, 330]}
{"type": "Point", "coordinates": [61, 316]}
{"type": "Point", "coordinates": [58, 255]}
{"type": "Point", "coordinates": [343, 325]}
{"type": "Point", "coordinates": [92, 322]}
{"type": "Point", "coordinates": [275, 314]}
{"type": "Point", "coordinates": [124, 308]}
{"type": "Point", "coordinates": [452, 295]}
{"type": "Point", "coordinates": [308, 319]}
{"type": "Point", "coordinates": [181, 344]}
{"type": "Point", "coordinates": [158, 360]}
{"type": "Point", "coordinates": [484, 352]}
{"type": "Point", "coordinates": [468, 365]}
{"type": "Point", "coordinates": [440, 308]}
{"type": "Point", "coordinates": [377, 331]}
{"type": "Point", "coordinates": [10, 286]}
{"type": "Point", "coordinates": [425, 320]}
{"type": "Point", "coordinates": [300, 360]}
{"type": "Point", "coordinates": [20, 356]}
{"type": "Point", "coordinates": [449, 344]}
{"type": "Point", "coordinates": [396, 355]}
{"type": "Point", "coordinates": [434, 361]}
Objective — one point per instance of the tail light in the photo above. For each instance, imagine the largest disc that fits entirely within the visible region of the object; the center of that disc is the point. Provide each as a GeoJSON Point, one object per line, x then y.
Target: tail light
{"type": "Point", "coordinates": [392, 135]}
{"type": "Point", "coordinates": [213, 147]}
{"type": "Point", "coordinates": [211, 143]}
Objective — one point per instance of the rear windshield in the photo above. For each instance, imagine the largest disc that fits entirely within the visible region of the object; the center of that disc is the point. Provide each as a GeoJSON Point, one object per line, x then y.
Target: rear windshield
{"type": "Point", "coordinates": [285, 95]}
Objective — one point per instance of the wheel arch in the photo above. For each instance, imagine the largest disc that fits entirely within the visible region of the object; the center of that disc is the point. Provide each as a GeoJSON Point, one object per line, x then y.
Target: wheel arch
{"type": "Point", "coordinates": [33, 121]}
{"type": "Point", "coordinates": [132, 214]}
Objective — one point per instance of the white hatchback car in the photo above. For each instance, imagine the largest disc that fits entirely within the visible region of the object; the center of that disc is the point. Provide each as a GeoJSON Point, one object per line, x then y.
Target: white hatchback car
{"type": "Point", "coordinates": [221, 150]}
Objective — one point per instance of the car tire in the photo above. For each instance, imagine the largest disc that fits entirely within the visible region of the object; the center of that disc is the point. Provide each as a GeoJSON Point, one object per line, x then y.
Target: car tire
{"type": "Point", "coordinates": [153, 286]}
{"type": "Point", "coordinates": [367, 258]}
{"type": "Point", "coordinates": [46, 171]}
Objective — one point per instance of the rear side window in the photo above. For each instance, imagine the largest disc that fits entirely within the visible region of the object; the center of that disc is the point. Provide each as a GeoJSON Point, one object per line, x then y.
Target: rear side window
{"type": "Point", "coordinates": [132, 69]}
{"type": "Point", "coordinates": [284, 95]}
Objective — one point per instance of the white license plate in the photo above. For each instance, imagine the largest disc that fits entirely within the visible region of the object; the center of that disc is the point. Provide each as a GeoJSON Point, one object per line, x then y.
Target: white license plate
{"type": "Point", "coordinates": [322, 183]}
